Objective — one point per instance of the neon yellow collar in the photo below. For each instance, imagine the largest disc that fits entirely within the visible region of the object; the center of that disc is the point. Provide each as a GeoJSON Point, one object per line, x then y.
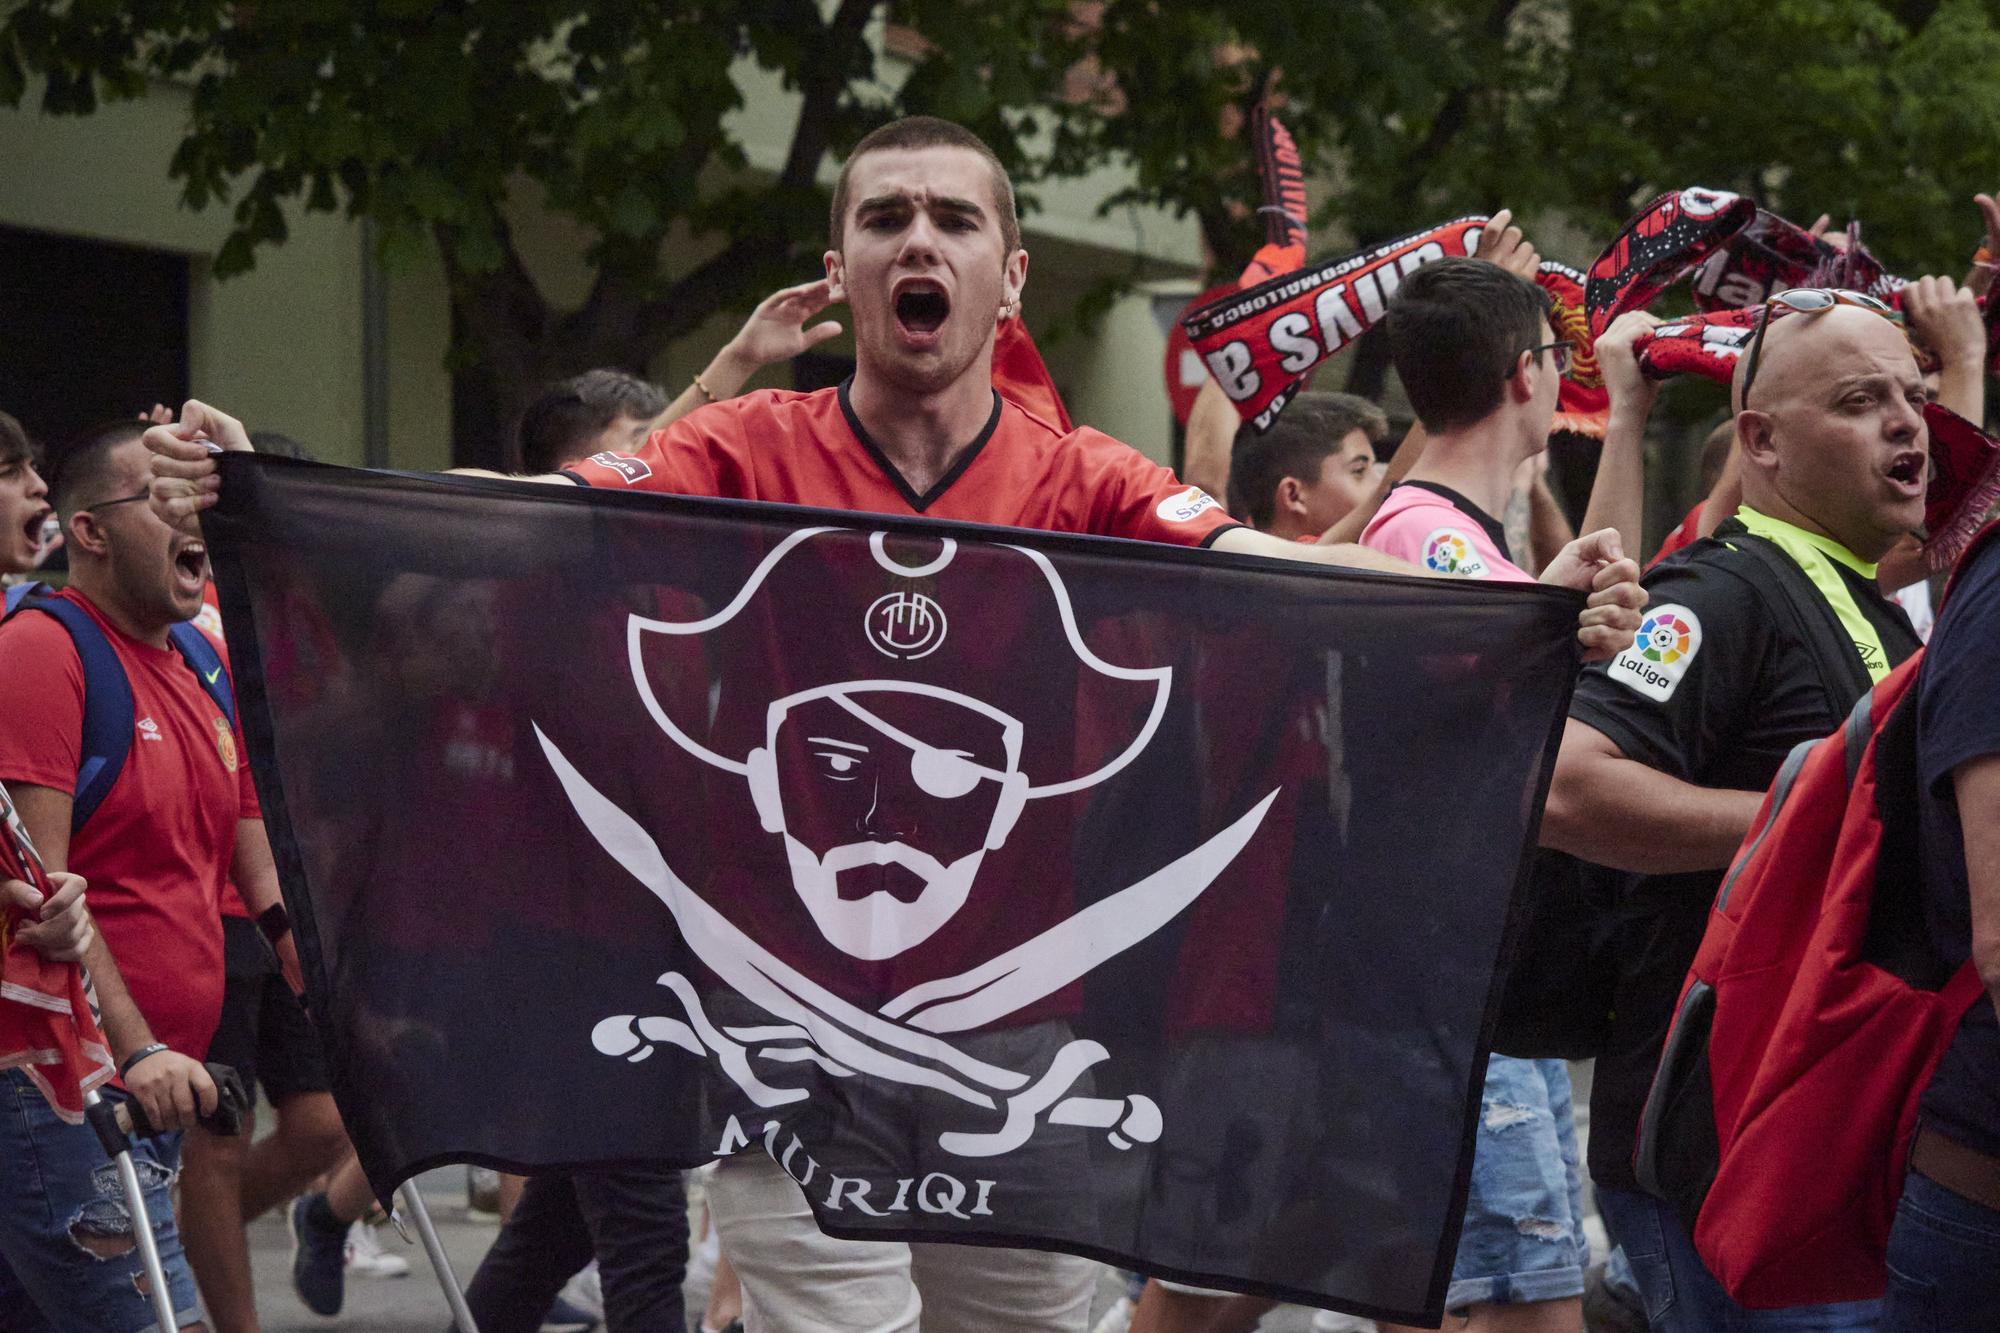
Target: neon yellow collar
{"type": "Point", "coordinates": [1783, 534]}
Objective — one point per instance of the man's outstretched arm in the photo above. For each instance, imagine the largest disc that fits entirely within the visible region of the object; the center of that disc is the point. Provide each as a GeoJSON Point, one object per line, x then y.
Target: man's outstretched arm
{"type": "Point", "coordinates": [1593, 564]}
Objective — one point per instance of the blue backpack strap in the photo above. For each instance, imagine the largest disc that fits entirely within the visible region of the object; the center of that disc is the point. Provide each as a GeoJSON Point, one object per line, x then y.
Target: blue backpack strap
{"type": "Point", "coordinates": [199, 653]}
{"type": "Point", "coordinates": [23, 591]}
{"type": "Point", "coordinates": [108, 709]}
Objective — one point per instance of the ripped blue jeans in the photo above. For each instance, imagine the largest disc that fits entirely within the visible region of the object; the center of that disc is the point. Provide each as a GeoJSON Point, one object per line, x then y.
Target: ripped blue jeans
{"type": "Point", "coordinates": [1523, 1239]}
{"type": "Point", "coordinates": [68, 1260]}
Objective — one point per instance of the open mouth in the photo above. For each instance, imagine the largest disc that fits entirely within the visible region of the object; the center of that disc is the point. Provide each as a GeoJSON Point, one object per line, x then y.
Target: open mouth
{"type": "Point", "coordinates": [922, 306]}
{"type": "Point", "coordinates": [191, 562]}
{"type": "Point", "coordinates": [35, 529]}
{"type": "Point", "coordinates": [1907, 470]}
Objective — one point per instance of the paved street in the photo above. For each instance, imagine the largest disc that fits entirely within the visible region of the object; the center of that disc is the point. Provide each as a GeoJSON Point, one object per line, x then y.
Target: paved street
{"type": "Point", "coordinates": [414, 1304]}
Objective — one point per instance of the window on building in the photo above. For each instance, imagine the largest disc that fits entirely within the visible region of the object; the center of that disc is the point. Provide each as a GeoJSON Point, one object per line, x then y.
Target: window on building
{"type": "Point", "coordinates": [93, 330]}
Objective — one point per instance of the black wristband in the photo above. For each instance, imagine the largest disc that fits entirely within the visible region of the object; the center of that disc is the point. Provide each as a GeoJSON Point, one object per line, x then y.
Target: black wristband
{"type": "Point", "coordinates": [125, 1068]}
{"type": "Point", "coordinates": [275, 922]}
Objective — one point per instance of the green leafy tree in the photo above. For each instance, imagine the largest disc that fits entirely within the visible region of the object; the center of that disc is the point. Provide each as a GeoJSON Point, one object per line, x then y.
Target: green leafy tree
{"type": "Point", "coordinates": [1565, 110]}
{"type": "Point", "coordinates": [427, 117]}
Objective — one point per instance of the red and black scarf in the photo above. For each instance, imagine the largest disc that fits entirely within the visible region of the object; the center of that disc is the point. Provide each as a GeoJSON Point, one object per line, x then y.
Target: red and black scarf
{"type": "Point", "coordinates": [1260, 343]}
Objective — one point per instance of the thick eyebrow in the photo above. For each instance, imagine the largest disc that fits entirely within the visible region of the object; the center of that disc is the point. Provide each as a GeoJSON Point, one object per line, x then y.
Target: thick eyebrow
{"type": "Point", "coordinates": [828, 740]}
{"type": "Point", "coordinates": [944, 203]}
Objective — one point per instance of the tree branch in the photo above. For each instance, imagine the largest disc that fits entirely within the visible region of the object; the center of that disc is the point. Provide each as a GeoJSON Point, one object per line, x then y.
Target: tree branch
{"type": "Point", "coordinates": [1450, 118]}
{"type": "Point", "coordinates": [697, 293]}
{"type": "Point", "coordinates": [503, 308]}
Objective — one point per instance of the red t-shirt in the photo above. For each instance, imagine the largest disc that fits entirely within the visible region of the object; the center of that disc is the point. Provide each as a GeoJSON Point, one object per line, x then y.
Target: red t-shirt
{"type": "Point", "coordinates": [1685, 535]}
{"type": "Point", "coordinates": [157, 850]}
{"type": "Point", "coordinates": [810, 449]}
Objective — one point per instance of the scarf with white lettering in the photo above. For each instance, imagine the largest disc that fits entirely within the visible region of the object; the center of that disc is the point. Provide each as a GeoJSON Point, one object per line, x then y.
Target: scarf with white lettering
{"type": "Point", "coordinates": [1261, 342]}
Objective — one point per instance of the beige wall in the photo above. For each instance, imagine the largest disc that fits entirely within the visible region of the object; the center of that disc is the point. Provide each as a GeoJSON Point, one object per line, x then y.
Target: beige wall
{"type": "Point", "coordinates": [282, 345]}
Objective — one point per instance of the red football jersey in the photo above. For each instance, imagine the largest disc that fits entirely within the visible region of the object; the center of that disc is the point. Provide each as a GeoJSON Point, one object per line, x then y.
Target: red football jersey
{"type": "Point", "coordinates": [810, 449]}
{"type": "Point", "coordinates": [157, 850]}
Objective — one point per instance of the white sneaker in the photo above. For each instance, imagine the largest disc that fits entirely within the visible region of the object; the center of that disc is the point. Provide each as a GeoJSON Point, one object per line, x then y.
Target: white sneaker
{"type": "Point", "coordinates": [367, 1258]}
{"type": "Point", "coordinates": [1332, 1321]}
{"type": "Point", "coordinates": [585, 1290]}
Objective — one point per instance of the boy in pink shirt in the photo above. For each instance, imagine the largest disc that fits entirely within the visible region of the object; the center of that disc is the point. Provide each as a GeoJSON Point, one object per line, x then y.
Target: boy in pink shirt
{"type": "Point", "coordinates": [1435, 527]}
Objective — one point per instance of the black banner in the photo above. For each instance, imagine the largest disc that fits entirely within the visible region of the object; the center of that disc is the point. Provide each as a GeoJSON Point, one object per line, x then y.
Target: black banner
{"type": "Point", "coordinates": [1005, 887]}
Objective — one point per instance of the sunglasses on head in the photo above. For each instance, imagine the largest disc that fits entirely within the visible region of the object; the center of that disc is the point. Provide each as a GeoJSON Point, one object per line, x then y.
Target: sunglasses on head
{"type": "Point", "coordinates": [1804, 301]}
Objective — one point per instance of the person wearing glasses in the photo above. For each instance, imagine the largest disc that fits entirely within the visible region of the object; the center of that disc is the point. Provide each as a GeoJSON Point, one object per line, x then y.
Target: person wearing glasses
{"type": "Point", "coordinates": [1473, 347]}
{"type": "Point", "coordinates": [1754, 639]}
{"type": "Point", "coordinates": [1475, 351]}
{"type": "Point", "coordinates": [179, 819]}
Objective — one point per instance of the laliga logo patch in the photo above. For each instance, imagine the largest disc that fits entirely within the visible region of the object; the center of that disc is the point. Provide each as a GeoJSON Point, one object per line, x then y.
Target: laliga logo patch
{"type": "Point", "coordinates": [904, 625]}
{"type": "Point", "coordinates": [1449, 551]}
{"type": "Point", "coordinates": [1660, 653]}
{"type": "Point", "coordinates": [225, 743]}
{"type": "Point", "coordinates": [633, 470]}
{"type": "Point", "coordinates": [1190, 503]}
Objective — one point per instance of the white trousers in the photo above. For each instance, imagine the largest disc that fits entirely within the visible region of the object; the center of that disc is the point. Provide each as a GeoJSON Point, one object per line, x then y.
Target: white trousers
{"type": "Point", "coordinates": [797, 1279]}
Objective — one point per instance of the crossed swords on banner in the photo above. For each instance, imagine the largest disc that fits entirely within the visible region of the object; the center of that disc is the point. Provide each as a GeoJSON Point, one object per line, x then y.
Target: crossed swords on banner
{"type": "Point", "coordinates": [900, 1040]}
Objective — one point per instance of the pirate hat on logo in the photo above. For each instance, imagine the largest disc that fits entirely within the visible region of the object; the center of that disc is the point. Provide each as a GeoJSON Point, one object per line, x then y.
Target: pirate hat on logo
{"type": "Point", "coordinates": [846, 611]}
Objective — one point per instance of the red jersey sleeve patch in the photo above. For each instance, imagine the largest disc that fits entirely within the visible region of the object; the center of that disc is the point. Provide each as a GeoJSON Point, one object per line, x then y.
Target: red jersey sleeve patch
{"type": "Point", "coordinates": [1138, 498]}
{"type": "Point", "coordinates": [680, 458]}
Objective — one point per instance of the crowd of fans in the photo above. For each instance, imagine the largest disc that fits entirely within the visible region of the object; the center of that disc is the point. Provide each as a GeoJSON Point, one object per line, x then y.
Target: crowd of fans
{"type": "Point", "coordinates": [1660, 773]}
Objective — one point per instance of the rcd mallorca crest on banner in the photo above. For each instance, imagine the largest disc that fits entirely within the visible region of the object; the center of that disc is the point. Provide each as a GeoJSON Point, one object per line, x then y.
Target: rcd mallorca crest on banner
{"type": "Point", "coordinates": [866, 670]}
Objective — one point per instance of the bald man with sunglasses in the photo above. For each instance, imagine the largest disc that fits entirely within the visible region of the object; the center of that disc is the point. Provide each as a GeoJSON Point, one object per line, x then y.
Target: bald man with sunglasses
{"type": "Point", "coordinates": [1754, 639]}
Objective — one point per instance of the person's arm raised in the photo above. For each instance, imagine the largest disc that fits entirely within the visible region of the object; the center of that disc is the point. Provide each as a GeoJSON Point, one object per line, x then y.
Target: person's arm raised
{"type": "Point", "coordinates": [1211, 440]}
{"type": "Point", "coordinates": [1618, 495]}
{"type": "Point", "coordinates": [1946, 318]}
{"type": "Point", "coordinates": [187, 481]}
{"type": "Point", "coordinates": [1615, 811]}
{"type": "Point", "coordinates": [775, 331]}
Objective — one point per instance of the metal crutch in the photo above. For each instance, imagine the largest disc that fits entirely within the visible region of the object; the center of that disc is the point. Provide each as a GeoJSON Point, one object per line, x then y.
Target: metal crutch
{"type": "Point", "coordinates": [103, 1119]}
{"type": "Point", "coordinates": [100, 1112]}
{"type": "Point", "coordinates": [454, 1295]}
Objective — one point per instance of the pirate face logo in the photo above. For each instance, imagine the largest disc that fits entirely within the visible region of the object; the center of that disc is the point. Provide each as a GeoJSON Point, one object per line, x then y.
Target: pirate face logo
{"type": "Point", "coordinates": [887, 799]}
{"type": "Point", "coordinates": [889, 777]}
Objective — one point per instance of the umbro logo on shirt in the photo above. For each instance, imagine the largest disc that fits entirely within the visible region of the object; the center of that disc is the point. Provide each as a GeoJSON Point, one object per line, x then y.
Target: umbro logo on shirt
{"type": "Point", "coordinates": [149, 730]}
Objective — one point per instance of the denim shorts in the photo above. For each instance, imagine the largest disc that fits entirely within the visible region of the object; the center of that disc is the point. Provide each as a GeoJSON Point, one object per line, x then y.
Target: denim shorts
{"type": "Point", "coordinates": [1523, 1239]}
{"type": "Point", "coordinates": [68, 1262]}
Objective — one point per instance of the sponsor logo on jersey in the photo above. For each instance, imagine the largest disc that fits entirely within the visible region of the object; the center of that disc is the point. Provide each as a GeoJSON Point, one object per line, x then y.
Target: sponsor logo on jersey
{"type": "Point", "coordinates": [1450, 551]}
{"type": "Point", "coordinates": [149, 730]}
{"type": "Point", "coordinates": [633, 470]}
{"type": "Point", "coordinates": [1661, 652]}
{"type": "Point", "coordinates": [1190, 503]}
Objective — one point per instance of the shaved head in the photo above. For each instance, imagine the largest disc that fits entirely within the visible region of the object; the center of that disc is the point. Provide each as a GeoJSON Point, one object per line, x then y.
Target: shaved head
{"type": "Point", "coordinates": [1795, 342]}
{"type": "Point", "coordinates": [1835, 441]}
